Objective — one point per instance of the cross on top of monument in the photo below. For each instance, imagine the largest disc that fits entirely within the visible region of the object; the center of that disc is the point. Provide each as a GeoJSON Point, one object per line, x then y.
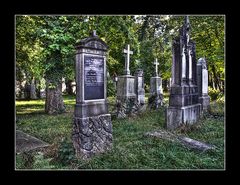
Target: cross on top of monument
{"type": "Point", "coordinates": [127, 59]}
{"type": "Point", "coordinates": [156, 66]}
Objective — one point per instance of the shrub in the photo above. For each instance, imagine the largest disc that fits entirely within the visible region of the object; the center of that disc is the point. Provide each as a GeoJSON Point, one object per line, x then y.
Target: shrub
{"type": "Point", "coordinates": [110, 88]}
{"type": "Point", "coordinates": [41, 162]}
{"type": "Point", "coordinates": [66, 153]}
{"type": "Point", "coordinates": [213, 93]}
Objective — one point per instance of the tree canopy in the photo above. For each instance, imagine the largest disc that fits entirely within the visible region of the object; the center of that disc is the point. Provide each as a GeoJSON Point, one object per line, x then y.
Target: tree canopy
{"type": "Point", "coordinates": [45, 44]}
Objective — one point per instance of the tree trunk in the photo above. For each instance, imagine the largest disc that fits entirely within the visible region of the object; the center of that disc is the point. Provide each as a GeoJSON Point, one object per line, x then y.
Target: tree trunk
{"type": "Point", "coordinates": [54, 101]}
{"type": "Point", "coordinates": [216, 80]}
{"type": "Point", "coordinates": [69, 88]}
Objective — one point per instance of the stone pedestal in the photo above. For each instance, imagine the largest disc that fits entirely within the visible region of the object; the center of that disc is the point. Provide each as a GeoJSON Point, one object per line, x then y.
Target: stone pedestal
{"type": "Point", "coordinates": [92, 126]}
{"type": "Point", "coordinates": [126, 97]}
{"type": "Point", "coordinates": [92, 135]}
{"type": "Point", "coordinates": [177, 116]}
{"type": "Point", "coordinates": [205, 102]}
{"type": "Point", "coordinates": [156, 93]}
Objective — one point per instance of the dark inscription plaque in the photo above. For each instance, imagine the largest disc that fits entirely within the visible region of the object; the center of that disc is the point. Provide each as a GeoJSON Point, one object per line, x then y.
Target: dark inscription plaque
{"type": "Point", "coordinates": [93, 77]}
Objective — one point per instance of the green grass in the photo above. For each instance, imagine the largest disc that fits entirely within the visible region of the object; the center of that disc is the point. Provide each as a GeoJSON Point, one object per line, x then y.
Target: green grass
{"type": "Point", "coordinates": [131, 149]}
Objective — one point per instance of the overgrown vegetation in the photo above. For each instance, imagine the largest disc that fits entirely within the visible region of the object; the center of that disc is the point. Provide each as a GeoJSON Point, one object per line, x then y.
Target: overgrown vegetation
{"type": "Point", "coordinates": [131, 149]}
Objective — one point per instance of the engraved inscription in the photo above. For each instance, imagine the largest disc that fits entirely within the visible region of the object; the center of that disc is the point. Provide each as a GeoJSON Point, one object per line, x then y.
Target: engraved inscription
{"type": "Point", "coordinates": [94, 77]}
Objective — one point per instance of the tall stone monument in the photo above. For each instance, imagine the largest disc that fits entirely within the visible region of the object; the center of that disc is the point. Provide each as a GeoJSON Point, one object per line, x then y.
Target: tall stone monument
{"type": "Point", "coordinates": [126, 98]}
{"type": "Point", "coordinates": [156, 92]}
{"type": "Point", "coordinates": [139, 86]}
{"type": "Point", "coordinates": [183, 101]}
{"type": "Point", "coordinates": [92, 126]}
{"type": "Point", "coordinates": [202, 79]}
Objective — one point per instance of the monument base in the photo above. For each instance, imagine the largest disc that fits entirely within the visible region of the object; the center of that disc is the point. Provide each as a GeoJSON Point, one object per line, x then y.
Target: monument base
{"type": "Point", "coordinates": [126, 98]}
{"type": "Point", "coordinates": [126, 106]}
{"type": "Point", "coordinates": [205, 102]}
{"type": "Point", "coordinates": [177, 116]}
{"type": "Point", "coordinates": [92, 135]}
{"type": "Point", "coordinates": [155, 101]}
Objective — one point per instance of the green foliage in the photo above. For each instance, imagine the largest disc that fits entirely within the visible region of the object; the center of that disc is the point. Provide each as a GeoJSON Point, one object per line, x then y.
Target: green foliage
{"type": "Point", "coordinates": [66, 152]}
{"type": "Point", "coordinates": [19, 162]}
{"type": "Point", "coordinates": [217, 108]}
{"type": "Point", "coordinates": [111, 90]}
{"type": "Point", "coordinates": [214, 93]}
{"type": "Point", "coordinates": [41, 162]}
{"type": "Point", "coordinates": [45, 44]}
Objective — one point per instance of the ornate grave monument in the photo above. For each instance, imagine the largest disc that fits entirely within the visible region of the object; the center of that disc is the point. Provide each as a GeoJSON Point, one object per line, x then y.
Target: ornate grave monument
{"type": "Point", "coordinates": [183, 101]}
{"type": "Point", "coordinates": [92, 126]}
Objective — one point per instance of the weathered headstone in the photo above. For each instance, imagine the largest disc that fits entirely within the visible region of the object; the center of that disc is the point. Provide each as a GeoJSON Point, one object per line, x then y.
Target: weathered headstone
{"type": "Point", "coordinates": [126, 98]}
{"type": "Point", "coordinates": [92, 127]}
{"type": "Point", "coordinates": [202, 78]}
{"type": "Point", "coordinates": [33, 90]}
{"type": "Point", "coordinates": [184, 141]}
{"type": "Point", "coordinates": [139, 86]}
{"type": "Point", "coordinates": [25, 142]}
{"type": "Point", "coordinates": [156, 92]}
{"type": "Point", "coordinates": [183, 101]}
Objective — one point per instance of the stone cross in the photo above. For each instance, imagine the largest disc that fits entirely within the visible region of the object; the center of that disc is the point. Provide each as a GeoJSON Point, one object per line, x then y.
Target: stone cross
{"type": "Point", "coordinates": [128, 52]}
{"type": "Point", "coordinates": [156, 66]}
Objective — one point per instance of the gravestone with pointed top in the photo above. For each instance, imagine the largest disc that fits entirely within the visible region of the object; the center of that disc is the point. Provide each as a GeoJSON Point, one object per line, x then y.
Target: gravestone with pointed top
{"type": "Point", "coordinates": [92, 126]}
{"type": "Point", "coordinates": [155, 99]}
{"type": "Point", "coordinates": [202, 78]}
{"type": "Point", "coordinates": [183, 101]}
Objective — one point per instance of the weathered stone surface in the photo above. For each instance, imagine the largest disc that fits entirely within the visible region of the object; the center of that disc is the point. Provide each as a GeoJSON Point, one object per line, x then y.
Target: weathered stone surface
{"type": "Point", "coordinates": [184, 107]}
{"type": "Point", "coordinates": [162, 134]}
{"type": "Point", "coordinates": [126, 102]}
{"type": "Point", "coordinates": [177, 116]}
{"type": "Point", "coordinates": [139, 86]}
{"type": "Point", "coordinates": [202, 79]}
{"type": "Point", "coordinates": [194, 144]}
{"type": "Point", "coordinates": [155, 99]}
{"type": "Point", "coordinates": [184, 141]}
{"type": "Point", "coordinates": [127, 106]}
{"type": "Point", "coordinates": [125, 86]}
{"type": "Point", "coordinates": [92, 126]}
{"type": "Point", "coordinates": [92, 135]}
{"type": "Point", "coordinates": [25, 142]}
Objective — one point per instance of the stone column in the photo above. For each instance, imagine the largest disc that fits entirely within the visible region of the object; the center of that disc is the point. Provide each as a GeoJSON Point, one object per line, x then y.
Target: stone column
{"type": "Point", "coordinates": [202, 81]}
{"type": "Point", "coordinates": [92, 126]}
{"type": "Point", "coordinates": [139, 86]}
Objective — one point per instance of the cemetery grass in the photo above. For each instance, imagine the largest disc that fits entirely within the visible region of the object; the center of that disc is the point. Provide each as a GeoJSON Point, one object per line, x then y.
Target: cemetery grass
{"type": "Point", "coordinates": [131, 149]}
